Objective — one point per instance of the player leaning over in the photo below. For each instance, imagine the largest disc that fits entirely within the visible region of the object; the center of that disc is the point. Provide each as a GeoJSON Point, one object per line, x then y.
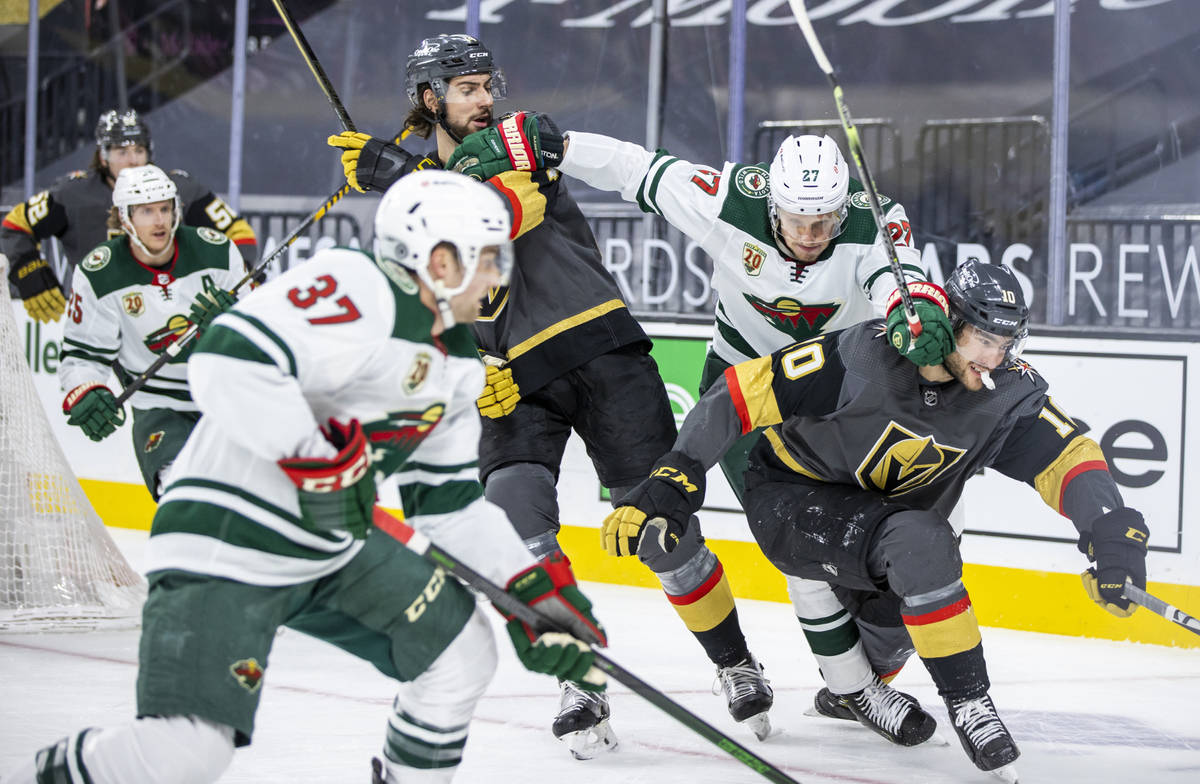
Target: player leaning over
{"type": "Point", "coordinates": [796, 254]}
{"type": "Point", "coordinates": [339, 371]}
{"type": "Point", "coordinates": [865, 456]}
{"type": "Point", "coordinates": [573, 358]}
{"type": "Point", "coordinates": [75, 209]}
{"type": "Point", "coordinates": [132, 297]}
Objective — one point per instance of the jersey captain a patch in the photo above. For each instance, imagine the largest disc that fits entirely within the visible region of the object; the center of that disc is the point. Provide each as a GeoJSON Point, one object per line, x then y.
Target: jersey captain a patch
{"type": "Point", "coordinates": [901, 461]}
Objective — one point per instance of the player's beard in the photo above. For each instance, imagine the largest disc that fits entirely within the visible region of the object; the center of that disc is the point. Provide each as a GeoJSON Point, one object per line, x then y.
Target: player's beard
{"type": "Point", "coordinates": [960, 367]}
{"type": "Point", "coordinates": [468, 126]}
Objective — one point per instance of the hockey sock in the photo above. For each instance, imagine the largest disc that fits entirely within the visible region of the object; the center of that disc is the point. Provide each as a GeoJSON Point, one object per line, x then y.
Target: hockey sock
{"type": "Point", "coordinates": [832, 636]}
{"type": "Point", "coordinates": [947, 639]}
{"type": "Point", "coordinates": [705, 604]}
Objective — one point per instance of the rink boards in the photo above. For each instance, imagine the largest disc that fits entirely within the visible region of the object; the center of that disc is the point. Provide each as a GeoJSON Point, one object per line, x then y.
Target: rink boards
{"type": "Point", "coordinates": [1022, 561]}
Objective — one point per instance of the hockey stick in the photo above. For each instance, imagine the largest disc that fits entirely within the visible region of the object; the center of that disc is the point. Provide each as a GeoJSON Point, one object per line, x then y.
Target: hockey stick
{"type": "Point", "coordinates": [1156, 605]}
{"type": "Point", "coordinates": [856, 150]}
{"type": "Point", "coordinates": [173, 349]}
{"type": "Point", "coordinates": [510, 604]}
{"type": "Point", "coordinates": [314, 65]}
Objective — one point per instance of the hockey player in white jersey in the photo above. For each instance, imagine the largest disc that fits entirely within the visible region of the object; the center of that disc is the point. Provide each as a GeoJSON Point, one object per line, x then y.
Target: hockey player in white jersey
{"type": "Point", "coordinates": [344, 369]}
{"type": "Point", "coordinates": [131, 297]}
{"type": "Point", "coordinates": [796, 254]}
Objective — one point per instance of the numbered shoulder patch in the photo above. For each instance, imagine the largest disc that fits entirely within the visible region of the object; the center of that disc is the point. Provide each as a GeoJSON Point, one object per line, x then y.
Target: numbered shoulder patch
{"type": "Point", "coordinates": [212, 235]}
{"type": "Point", "coordinates": [97, 259]}
{"type": "Point", "coordinates": [863, 202]}
{"type": "Point", "coordinates": [751, 181]}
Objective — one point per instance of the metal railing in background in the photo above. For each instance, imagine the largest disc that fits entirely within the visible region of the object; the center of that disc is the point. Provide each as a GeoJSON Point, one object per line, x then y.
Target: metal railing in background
{"type": "Point", "coordinates": [74, 88]}
{"type": "Point", "coordinates": [983, 179]}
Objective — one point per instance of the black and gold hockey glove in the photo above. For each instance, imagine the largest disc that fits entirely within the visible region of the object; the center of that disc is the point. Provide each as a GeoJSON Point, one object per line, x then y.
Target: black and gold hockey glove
{"type": "Point", "coordinates": [661, 503]}
{"type": "Point", "coordinates": [1117, 544]}
{"type": "Point", "coordinates": [370, 164]}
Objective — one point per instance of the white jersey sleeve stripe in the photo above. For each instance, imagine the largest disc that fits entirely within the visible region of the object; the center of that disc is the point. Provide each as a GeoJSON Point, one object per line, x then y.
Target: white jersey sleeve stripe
{"type": "Point", "coordinates": [205, 555]}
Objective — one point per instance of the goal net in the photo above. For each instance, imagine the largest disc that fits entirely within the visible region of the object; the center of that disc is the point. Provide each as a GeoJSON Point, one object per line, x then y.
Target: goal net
{"type": "Point", "coordinates": [59, 568]}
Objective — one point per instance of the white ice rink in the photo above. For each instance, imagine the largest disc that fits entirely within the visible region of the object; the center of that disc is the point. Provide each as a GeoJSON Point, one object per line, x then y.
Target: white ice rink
{"type": "Point", "coordinates": [1082, 711]}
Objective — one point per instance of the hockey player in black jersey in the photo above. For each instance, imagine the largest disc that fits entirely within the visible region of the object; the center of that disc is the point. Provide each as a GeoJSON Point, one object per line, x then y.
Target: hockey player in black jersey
{"type": "Point", "coordinates": [567, 355]}
{"type": "Point", "coordinates": [865, 455]}
{"type": "Point", "coordinates": [75, 210]}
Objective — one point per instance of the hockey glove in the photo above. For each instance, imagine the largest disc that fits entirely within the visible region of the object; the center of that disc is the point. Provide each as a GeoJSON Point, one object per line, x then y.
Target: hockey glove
{"type": "Point", "coordinates": [550, 588]}
{"type": "Point", "coordinates": [936, 341]}
{"type": "Point", "coordinates": [370, 164]}
{"type": "Point", "coordinates": [209, 304]}
{"type": "Point", "coordinates": [1117, 544]}
{"type": "Point", "coordinates": [336, 493]}
{"type": "Point", "coordinates": [38, 287]}
{"type": "Point", "coordinates": [522, 141]}
{"type": "Point", "coordinates": [500, 392]}
{"type": "Point", "coordinates": [93, 409]}
{"type": "Point", "coordinates": [662, 503]}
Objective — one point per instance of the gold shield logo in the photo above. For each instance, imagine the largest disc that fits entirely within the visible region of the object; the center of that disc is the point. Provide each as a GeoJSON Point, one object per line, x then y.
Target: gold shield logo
{"type": "Point", "coordinates": [901, 461]}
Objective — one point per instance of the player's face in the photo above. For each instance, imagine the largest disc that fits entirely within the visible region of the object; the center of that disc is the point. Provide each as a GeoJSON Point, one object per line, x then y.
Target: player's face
{"type": "Point", "coordinates": [153, 223]}
{"type": "Point", "coordinates": [977, 351]}
{"type": "Point", "coordinates": [125, 156]}
{"type": "Point", "coordinates": [807, 236]}
{"type": "Point", "coordinates": [466, 305]}
{"type": "Point", "coordinates": [469, 104]}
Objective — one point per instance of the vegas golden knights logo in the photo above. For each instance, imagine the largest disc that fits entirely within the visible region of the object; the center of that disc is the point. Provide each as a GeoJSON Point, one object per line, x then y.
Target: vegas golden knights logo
{"type": "Point", "coordinates": [902, 460]}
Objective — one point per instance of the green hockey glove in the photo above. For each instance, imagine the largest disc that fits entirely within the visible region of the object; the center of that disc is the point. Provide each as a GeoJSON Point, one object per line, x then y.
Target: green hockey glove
{"type": "Point", "coordinates": [336, 493]}
{"type": "Point", "coordinates": [370, 164]}
{"type": "Point", "coordinates": [661, 504]}
{"type": "Point", "coordinates": [1117, 544]}
{"type": "Point", "coordinates": [936, 341]}
{"type": "Point", "coordinates": [209, 304]}
{"type": "Point", "coordinates": [550, 588]}
{"type": "Point", "coordinates": [93, 409]}
{"type": "Point", "coordinates": [522, 141]}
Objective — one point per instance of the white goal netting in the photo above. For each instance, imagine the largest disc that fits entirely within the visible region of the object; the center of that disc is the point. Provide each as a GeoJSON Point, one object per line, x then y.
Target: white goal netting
{"type": "Point", "coordinates": [59, 568]}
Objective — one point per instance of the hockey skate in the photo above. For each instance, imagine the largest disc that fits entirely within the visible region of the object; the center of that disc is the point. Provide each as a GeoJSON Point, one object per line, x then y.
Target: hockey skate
{"type": "Point", "coordinates": [890, 713]}
{"type": "Point", "coordinates": [582, 721]}
{"type": "Point", "coordinates": [984, 736]}
{"type": "Point", "coordinates": [748, 695]}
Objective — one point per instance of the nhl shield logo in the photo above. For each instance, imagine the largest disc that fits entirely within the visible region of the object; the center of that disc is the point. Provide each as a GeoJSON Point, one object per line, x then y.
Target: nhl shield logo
{"type": "Point", "coordinates": [247, 673]}
{"type": "Point", "coordinates": [752, 181]}
{"type": "Point", "coordinates": [133, 303]}
{"type": "Point", "coordinates": [415, 378]}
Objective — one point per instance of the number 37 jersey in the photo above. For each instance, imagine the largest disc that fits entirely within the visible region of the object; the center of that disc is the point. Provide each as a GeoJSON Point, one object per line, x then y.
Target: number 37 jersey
{"type": "Point", "coordinates": [334, 338]}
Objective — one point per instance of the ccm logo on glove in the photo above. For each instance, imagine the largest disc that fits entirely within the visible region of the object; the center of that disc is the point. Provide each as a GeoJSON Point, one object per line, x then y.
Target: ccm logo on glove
{"type": "Point", "coordinates": [675, 475]}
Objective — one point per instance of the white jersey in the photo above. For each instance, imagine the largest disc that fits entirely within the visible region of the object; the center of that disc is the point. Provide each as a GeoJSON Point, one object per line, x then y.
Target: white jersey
{"type": "Point", "coordinates": [123, 310]}
{"type": "Point", "coordinates": [765, 299]}
{"type": "Point", "coordinates": [332, 339]}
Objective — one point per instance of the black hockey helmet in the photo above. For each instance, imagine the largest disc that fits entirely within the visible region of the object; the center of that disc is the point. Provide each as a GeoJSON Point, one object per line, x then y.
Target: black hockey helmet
{"type": "Point", "coordinates": [988, 297]}
{"type": "Point", "coordinates": [120, 129]}
{"type": "Point", "coordinates": [440, 58]}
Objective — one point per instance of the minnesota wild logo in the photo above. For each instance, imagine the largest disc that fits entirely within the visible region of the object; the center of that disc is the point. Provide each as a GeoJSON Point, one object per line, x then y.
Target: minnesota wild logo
{"type": "Point", "coordinates": [794, 318]}
{"type": "Point", "coordinates": [901, 461]}
{"type": "Point", "coordinates": [248, 673]}
{"type": "Point", "coordinates": [395, 437]}
{"type": "Point", "coordinates": [158, 340]}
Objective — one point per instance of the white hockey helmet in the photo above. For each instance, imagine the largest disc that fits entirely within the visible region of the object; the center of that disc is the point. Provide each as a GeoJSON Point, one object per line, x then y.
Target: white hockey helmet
{"type": "Point", "coordinates": [144, 185]}
{"type": "Point", "coordinates": [429, 207]}
{"type": "Point", "coordinates": [809, 176]}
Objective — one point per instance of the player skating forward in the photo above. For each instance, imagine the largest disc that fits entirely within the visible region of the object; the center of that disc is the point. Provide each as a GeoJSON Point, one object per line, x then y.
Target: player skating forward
{"type": "Point", "coordinates": [866, 454]}
{"type": "Point", "coordinates": [796, 253]}
{"type": "Point", "coordinates": [342, 369]}
{"type": "Point", "coordinates": [76, 207]}
{"type": "Point", "coordinates": [131, 298]}
{"type": "Point", "coordinates": [573, 358]}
